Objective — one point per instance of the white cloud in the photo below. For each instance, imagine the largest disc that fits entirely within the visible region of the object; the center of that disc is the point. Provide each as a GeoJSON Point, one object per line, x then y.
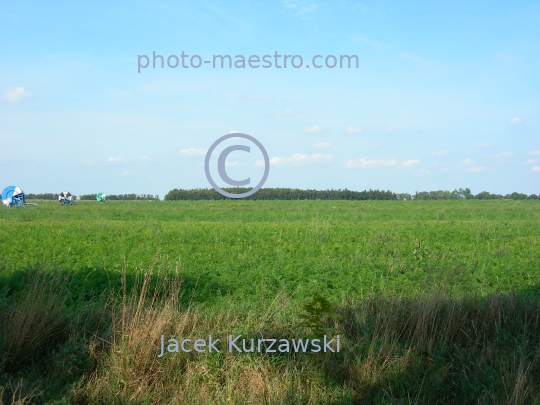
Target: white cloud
{"type": "Point", "coordinates": [260, 99]}
{"type": "Point", "coordinates": [352, 130]}
{"type": "Point", "coordinates": [364, 163]}
{"type": "Point", "coordinates": [379, 45]}
{"type": "Point", "coordinates": [234, 138]}
{"type": "Point", "coordinates": [323, 145]}
{"type": "Point", "coordinates": [476, 169]}
{"type": "Point", "coordinates": [192, 152]}
{"type": "Point", "coordinates": [467, 162]}
{"type": "Point", "coordinates": [234, 132]}
{"type": "Point", "coordinates": [439, 153]}
{"type": "Point", "coordinates": [409, 163]}
{"type": "Point", "coordinates": [481, 145]}
{"type": "Point", "coordinates": [287, 113]}
{"type": "Point", "coordinates": [114, 159]}
{"type": "Point", "coordinates": [232, 164]}
{"type": "Point", "coordinates": [535, 169]}
{"type": "Point", "coordinates": [445, 170]}
{"type": "Point", "coordinates": [502, 157]}
{"type": "Point", "coordinates": [16, 94]}
{"type": "Point", "coordinates": [406, 55]}
{"type": "Point", "coordinates": [125, 172]}
{"type": "Point", "coordinates": [119, 93]}
{"type": "Point", "coordinates": [534, 152]}
{"type": "Point", "coordinates": [313, 129]}
{"type": "Point", "coordinates": [386, 129]}
{"type": "Point", "coordinates": [515, 121]}
{"type": "Point", "coordinates": [368, 42]}
{"type": "Point", "coordinates": [296, 160]}
{"type": "Point", "coordinates": [300, 7]}
{"type": "Point", "coordinates": [530, 161]}
{"type": "Point", "coordinates": [144, 159]}
{"type": "Point", "coordinates": [150, 89]}
{"type": "Point", "coordinates": [424, 172]}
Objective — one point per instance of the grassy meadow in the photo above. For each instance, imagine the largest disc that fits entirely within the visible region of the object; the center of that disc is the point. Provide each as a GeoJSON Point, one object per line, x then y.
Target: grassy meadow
{"type": "Point", "coordinates": [438, 301]}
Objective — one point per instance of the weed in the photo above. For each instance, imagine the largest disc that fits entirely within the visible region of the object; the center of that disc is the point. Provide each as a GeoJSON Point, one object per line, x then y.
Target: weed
{"type": "Point", "coordinates": [318, 313]}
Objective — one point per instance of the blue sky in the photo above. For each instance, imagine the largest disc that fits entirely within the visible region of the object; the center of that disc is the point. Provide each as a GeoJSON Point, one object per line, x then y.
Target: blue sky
{"type": "Point", "coordinates": [446, 95]}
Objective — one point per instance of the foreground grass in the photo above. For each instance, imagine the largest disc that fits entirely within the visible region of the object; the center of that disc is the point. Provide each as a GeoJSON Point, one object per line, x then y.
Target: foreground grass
{"type": "Point", "coordinates": [425, 349]}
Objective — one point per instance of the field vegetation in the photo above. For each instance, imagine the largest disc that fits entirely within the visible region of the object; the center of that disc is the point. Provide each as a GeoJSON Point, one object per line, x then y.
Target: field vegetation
{"type": "Point", "coordinates": [435, 301]}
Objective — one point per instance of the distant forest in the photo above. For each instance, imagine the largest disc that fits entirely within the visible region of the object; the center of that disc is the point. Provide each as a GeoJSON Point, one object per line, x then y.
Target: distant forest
{"type": "Point", "coordinates": [297, 194]}
{"type": "Point", "coordinates": [54, 196]}
{"type": "Point", "coordinates": [122, 197]}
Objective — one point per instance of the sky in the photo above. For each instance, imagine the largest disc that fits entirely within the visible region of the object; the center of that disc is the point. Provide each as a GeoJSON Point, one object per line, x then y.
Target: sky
{"type": "Point", "coordinates": [446, 95]}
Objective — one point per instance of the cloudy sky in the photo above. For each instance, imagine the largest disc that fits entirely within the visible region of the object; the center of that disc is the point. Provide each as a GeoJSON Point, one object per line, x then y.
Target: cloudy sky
{"type": "Point", "coordinates": [446, 94]}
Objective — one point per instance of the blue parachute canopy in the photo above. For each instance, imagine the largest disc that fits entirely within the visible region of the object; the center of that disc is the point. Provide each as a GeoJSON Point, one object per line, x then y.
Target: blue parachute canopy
{"type": "Point", "coordinates": [13, 196]}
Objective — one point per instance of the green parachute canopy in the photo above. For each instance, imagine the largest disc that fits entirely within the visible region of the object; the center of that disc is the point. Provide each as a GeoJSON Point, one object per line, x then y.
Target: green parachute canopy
{"type": "Point", "coordinates": [101, 197]}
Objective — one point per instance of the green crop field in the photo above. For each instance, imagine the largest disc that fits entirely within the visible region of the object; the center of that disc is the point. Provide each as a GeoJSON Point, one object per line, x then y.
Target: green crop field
{"type": "Point", "coordinates": [436, 301]}
{"type": "Point", "coordinates": [237, 248]}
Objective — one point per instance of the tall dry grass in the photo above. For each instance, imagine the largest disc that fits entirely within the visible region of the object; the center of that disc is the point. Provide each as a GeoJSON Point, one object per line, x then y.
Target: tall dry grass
{"type": "Point", "coordinates": [424, 350]}
{"type": "Point", "coordinates": [36, 322]}
{"type": "Point", "coordinates": [420, 349]}
{"type": "Point", "coordinates": [131, 372]}
{"type": "Point", "coordinates": [455, 346]}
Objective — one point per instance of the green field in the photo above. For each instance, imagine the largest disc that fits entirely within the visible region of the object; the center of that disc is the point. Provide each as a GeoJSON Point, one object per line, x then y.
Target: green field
{"type": "Point", "coordinates": [438, 301]}
{"type": "Point", "coordinates": [340, 248]}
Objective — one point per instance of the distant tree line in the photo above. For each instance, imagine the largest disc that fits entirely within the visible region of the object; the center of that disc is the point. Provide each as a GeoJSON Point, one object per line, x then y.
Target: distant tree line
{"type": "Point", "coordinates": [466, 194]}
{"type": "Point", "coordinates": [280, 194]}
{"type": "Point", "coordinates": [122, 197]}
{"type": "Point", "coordinates": [298, 194]}
{"type": "Point", "coordinates": [54, 196]}
{"type": "Point", "coordinates": [44, 196]}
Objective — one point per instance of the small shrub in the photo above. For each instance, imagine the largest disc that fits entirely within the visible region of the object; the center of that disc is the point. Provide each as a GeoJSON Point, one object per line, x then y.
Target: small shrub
{"type": "Point", "coordinates": [318, 312]}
